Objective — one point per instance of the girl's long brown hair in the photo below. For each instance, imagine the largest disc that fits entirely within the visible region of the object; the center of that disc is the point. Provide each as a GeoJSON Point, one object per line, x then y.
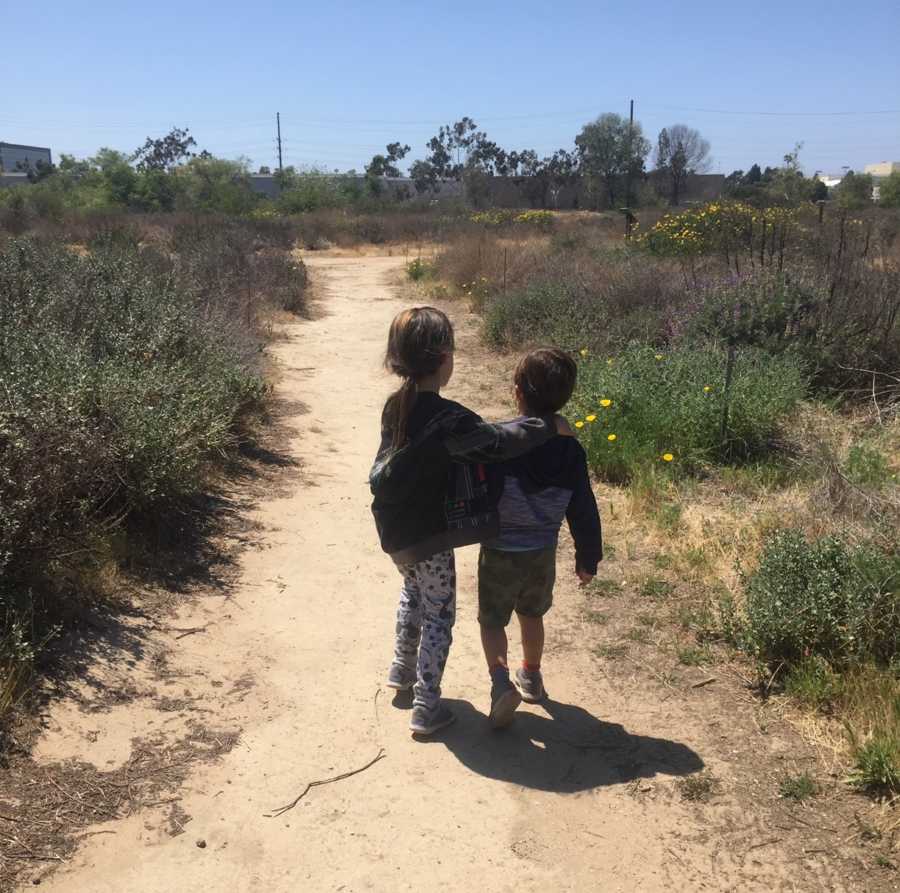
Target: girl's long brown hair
{"type": "Point", "coordinates": [418, 341]}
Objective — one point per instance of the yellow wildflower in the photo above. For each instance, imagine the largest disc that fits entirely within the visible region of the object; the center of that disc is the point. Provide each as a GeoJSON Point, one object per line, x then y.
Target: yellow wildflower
{"type": "Point", "coordinates": [606, 402]}
{"type": "Point", "coordinates": [583, 351]}
{"type": "Point", "coordinates": [579, 424]}
{"type": "Point", "coordinates": [590, 418]}
{"type": "Point", "coordinates": [706, 389]}
{"type": "Point", "coordinates": [610, 437]}
{"type": "Point", "coordinates": [667, 457]}
{"type": "Point", "coordinates": [659, 356]}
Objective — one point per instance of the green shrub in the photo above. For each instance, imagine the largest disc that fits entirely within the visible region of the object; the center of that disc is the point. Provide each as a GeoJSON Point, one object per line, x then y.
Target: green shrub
{"type": "Point", "coordinates": [643, 407]}
{"type": "Point", "coordinates": [418, 269]}
{"type": "Point", "coordinates": [541, 312]}
{"type": "Point", "coordinates": [823, 598]}
{"type": "Point", "coordinates": [125, 375]}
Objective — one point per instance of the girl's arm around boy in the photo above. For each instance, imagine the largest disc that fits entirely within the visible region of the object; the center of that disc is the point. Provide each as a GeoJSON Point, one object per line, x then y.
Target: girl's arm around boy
{"type": "Point", "coordinates": [474, 440]}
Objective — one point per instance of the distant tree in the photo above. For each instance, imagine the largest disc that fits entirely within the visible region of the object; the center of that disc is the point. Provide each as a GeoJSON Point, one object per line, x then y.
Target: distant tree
{"type": "Point", "coordinates": [386, 165]}
{"type": "Point", "coordinates": [215, 184]}
{"type": "Point", "coordinates": [165, 152]}
{"type": "Point", "coordinates": [609, 150]}
{"type": "Point", "coordinates": [532, 180]}
{"type": "Point", "coordinates": [680, 152]}
{"type": "Point", "coordinates": [889, 191]}
{"type": "Point", "coordinates": [74, 168]}
{"type": "Point", "coordinates": [786, 184]}
{"type": "Point", "coordinates": [854, 190]}
{"type": "Point", "coordinates": [733, 183]}
{"type": "Point", "coordinates": [819, 192]}
{"type": "Point", "coordinates": [478, 186]}
{"type": "Point", "coordinates": [119, 178]}
{"type": "Point", "coordinates": [38, 171]}
{"type": "Point", "coordinates": [449, 148]}
{"type": "Point", "coordinates": [424, 176]}
{"type": "Point", "coordinates": [562, 171]}
{"type": "Point", "coordinates": [754, 175]}
{"type": "Point", "coordinates": [156, 190]}
{"type": "Point", "coordinates": [264, 170]}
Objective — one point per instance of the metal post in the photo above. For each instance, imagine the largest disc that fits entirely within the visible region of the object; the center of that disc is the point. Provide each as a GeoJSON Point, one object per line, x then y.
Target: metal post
{"type": "Point", "coordinates": [628, 168]}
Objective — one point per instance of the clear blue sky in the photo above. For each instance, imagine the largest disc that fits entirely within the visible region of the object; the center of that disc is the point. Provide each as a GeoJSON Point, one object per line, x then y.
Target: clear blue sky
{"type": "Point", "coordinates": [350, 77]}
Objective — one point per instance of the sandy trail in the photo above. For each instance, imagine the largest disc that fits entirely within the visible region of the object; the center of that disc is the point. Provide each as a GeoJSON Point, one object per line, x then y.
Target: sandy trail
{"type": "Point", "coordinates": [578, 795]}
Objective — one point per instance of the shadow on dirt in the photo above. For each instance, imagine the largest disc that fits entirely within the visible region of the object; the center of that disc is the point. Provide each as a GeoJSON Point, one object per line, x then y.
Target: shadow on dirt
{"type": "Point", "coordinates": [102, 613]}
{"type": "Point", "coordinates": [566, 751]}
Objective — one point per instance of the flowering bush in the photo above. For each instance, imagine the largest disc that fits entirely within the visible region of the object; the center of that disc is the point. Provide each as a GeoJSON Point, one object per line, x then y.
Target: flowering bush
{"type": "Point", "coordinates": [721, 227]}
{"type": "Point", "coordinates": [541, 219]}
{"type": "Point", "coordinates": [493, 217]}
{"type": "Point", "coordinates": [502, 216]}
{"type": "Point", "coordinates": [645, 407]}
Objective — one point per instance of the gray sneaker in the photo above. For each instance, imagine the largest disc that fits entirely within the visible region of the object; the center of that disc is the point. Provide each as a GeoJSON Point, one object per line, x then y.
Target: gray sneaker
{"type": "Point", "coordinates": [400, 677]}
{"type": "Point", "coordinates": [531, 684]}
{"type": "Point", "coordinates": [427, 722]}
{"type": "Point", "coordinates": [504, 700]}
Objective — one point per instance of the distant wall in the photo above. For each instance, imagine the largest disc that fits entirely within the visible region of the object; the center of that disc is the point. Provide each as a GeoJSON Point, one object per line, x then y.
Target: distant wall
{"type": "Point", "coordinates": [13, 179]}
{"type": "Point", "coordinates": [519, 192]}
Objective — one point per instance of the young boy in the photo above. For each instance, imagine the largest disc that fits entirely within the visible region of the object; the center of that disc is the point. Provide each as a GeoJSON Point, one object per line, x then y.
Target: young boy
{"type": "Point", "coordinates": [517, 570]}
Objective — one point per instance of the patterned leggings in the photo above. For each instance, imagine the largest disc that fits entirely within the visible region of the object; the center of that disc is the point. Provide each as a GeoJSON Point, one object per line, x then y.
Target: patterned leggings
{"type": "Point", "coordinates": [426, 615]}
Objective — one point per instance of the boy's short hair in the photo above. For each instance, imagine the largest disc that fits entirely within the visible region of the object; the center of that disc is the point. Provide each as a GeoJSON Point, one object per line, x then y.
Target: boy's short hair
{"type": "Point", "coordinates": [546, 377]}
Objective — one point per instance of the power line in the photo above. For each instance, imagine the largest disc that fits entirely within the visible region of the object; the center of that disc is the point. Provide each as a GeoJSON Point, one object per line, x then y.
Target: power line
{"type": "Point", "coordinates": [384, 123]}
{"type": "Point", "coordinates": [835, 114]}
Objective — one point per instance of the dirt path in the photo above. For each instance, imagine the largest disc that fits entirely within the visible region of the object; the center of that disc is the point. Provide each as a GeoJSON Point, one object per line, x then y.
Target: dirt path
{"type": "Point", "coordinates": [579, 795]}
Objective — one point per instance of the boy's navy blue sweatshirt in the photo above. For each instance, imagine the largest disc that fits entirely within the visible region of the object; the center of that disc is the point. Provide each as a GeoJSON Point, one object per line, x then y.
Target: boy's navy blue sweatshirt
{"type": "Point", "coordinates": [541, 488]}
{"type": "Point", "coordinates": [433, 494]}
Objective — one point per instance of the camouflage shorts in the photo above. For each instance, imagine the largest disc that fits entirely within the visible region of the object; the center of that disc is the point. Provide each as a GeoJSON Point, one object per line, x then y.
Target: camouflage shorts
{"type": "Point", "coordinates": [514, 581]}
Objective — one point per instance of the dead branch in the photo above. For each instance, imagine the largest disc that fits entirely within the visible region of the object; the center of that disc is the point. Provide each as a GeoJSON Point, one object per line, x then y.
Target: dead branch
{"type": "Point", "coordinates": [314, 784]}
{"type": "Point", "coordinates": [188, 632]}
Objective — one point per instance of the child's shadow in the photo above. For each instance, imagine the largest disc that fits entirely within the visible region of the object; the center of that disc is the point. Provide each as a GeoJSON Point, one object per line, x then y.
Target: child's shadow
{"type": "Point", "coordinates": [567, 751]}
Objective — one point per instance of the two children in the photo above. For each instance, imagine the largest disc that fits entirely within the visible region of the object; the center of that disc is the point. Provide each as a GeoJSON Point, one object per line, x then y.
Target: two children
{"type": "Point", "coordinates": [432, 493]}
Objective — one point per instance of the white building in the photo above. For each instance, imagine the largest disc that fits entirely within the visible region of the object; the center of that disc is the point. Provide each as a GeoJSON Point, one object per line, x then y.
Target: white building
{"type": "Point", "coordinates": [883, 169]}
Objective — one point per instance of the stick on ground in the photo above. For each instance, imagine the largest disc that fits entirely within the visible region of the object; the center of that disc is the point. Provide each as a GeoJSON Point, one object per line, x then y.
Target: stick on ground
{"type": "Point", "coordinates": [314, 784]}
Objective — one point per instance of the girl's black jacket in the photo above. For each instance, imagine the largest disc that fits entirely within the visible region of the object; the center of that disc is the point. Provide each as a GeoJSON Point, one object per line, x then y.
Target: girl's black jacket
{"type": "Point", "coordinates": [433, 494]}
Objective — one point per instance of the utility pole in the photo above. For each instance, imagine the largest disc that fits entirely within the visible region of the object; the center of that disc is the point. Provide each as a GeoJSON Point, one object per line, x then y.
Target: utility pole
{"type": "Point", "coordinates": [628, 171]}
{"type": "Point", "coordinates": [629, 217]}
{"type": "Point", "coordinates": [278, 125]}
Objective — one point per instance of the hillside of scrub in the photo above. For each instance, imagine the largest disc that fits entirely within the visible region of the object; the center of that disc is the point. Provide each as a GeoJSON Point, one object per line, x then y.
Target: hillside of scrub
{"type": "Point", "coordinates": [134, 378]}
{"type": "Point", "coordinates": [739, 391]}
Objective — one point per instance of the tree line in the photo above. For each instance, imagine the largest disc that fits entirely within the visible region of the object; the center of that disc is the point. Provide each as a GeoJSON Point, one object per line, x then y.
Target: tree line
{"type": "Point", "coordinates": [611, 163]}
